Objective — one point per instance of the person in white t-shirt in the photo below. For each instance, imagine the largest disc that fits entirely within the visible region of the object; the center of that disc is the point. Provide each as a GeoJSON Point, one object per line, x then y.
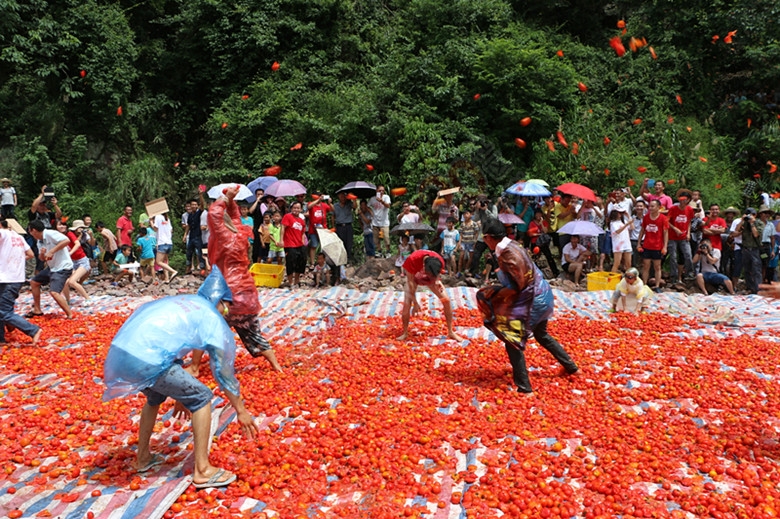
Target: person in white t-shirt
{"type": "Point", "coordinates": [380, 205]}
{"type": "Point", "coordinates": [708, 259]}
{"type": "Point", "coordinates": [574, 257]}
{"type": "Point", "coordinates": [164, 228]}
{"type": "Point", "coordinates": [53, 249]}
{"type": "Point", "coordinates": [14, 250]}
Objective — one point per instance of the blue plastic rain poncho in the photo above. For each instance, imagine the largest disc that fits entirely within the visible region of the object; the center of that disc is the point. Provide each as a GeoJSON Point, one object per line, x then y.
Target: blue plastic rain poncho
{"type": "Point", "coordinates": [160, 332]}
{"type": "Point", "coordinates": [523, 300]}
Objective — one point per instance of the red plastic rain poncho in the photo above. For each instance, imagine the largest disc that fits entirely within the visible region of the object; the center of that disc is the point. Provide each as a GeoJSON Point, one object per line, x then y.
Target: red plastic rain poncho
{"type": "Point", "coordinates": [228, 250]}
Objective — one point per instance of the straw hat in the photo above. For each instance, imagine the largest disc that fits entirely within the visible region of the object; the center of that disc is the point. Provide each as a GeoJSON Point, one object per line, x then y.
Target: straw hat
{"type": "Point", "coordinates": [731, 209]}
{"type": "Point", "coordinates": [77, 224]}
{"type": "Point", "coordinates": [763, 208]}
{"type": "Point", "coordinates": [5, 179]}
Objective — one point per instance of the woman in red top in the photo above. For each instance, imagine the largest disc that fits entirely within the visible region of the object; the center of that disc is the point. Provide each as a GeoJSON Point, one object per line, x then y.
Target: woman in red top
{"type": "Point", "coordinates": [537, 232]}
{"type": "Point", "coordinates": [81, 266]}
{"type": "Point", "coordinates": [424, 267]}
{"type": "Point", "coordinates": [293, 226]}
{"type": "Point", "coordinates": [653, 239]}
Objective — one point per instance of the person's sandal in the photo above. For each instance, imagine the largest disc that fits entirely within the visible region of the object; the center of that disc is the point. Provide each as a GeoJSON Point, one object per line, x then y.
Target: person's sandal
{"type": "Point", "coordinates": [214, 481]}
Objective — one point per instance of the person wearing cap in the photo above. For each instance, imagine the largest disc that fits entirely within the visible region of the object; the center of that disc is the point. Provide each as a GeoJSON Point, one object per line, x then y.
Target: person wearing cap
{"type": "Point", "coordinates": [631, 284]}
{"type": "Point", "coordinates": [751, 229]}
{"type": "Point", "coordinates": [147, 355]}
{"type": "Point", "coordinates": [424, 267]}
{"type": "Point", "coordinates": [8, 198]}
{"type": "Point", "coordinates": [14, 251]}
{"type": "Point", "coordinates": [520, 306]}
{"type": "Point", "coordinates": [680, 216]}
{"type": "Point", "coordinates": [767, 243]}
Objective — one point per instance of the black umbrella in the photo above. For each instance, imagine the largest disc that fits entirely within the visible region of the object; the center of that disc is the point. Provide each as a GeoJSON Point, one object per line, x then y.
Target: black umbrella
{"type": "Point", "coordinates": [359, 188]}
{"type": "Point", "coordinates": [411, 228]}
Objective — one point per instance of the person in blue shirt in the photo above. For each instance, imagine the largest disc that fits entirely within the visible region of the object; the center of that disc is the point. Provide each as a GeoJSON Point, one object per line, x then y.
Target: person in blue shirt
{"type": "Point", "coordinates": [147, 242]}
{"type": "Point", "coordinates": [146, 355]}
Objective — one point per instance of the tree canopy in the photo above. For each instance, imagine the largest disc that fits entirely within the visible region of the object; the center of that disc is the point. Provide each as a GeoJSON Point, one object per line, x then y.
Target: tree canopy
{"type": "Point", "coordinates": [138, 100]}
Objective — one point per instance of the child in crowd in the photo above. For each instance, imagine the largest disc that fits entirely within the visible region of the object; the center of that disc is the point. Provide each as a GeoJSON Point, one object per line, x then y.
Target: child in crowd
{"type": "Point", "coordinates": [366, 217]}
{"type": "Point", "coordinates": [109, 247]}
{"type": "Point", "coordinates": [450, 244]}
{"type": "Point", "coordinates": [321, 271]}
{"type": "Point", "coordinates": [469, 230]}
{"type": "Point", "coordinates": [123, 258]}
{"type": "Point", "coordinates": [147, 245]}
{"type": "Point", "coordinates": [247, 220]}
{"type": "Point", "coordinates": [264, 232]}
{"type": "Point", "coordinates": [404, 251]}
{"type": "Point", "coordinates": [419, 244]}
{"type": "Point", "coordinates": [276, 249]}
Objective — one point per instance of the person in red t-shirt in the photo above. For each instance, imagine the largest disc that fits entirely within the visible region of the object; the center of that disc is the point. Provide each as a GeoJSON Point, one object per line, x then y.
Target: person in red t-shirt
{"type": "Point", "coordinates": [424, 267]}
{"type": "Point", "coordinates": [318, 218]}
{"type": "Point", "coordinates": [293, 226]}
{"type": "Point", "coordinates": [653, 240]}
{"type": "Point", "coordinates": [680, 216]}
{"type": "Point", "coordinates": [124, 226]}
{"type": "Point", "coordinates": [81, 266]}
{"type": "Point", "coordinates": [714, 226]}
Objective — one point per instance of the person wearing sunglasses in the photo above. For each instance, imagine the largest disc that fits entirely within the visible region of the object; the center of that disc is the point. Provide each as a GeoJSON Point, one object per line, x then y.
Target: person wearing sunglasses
{"type": "Point", "coordinates": [631, 284]}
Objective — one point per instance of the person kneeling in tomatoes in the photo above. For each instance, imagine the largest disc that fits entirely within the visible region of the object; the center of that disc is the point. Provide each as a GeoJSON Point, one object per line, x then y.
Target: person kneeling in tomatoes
{"type": "Point", "coordinates": [519, 306]}
{"type": "Point", "coordinates": [146, 355]}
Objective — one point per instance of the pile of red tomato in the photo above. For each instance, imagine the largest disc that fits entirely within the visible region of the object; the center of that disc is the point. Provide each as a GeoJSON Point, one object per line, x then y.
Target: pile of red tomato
{"type": "Point", "coordinates": [656, 424]}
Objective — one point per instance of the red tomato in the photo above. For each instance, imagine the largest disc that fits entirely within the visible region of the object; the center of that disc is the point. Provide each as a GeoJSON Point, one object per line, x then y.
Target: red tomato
{"type": "Point", "coordinates": [398, 191]}
{"type": "Point", "coordinates": [525, 121]}
{"type": "Point", "coordinates": [476, 97]}
{"type": "Point", "coordinates": [275, 66]}
{"type": "Point", "coordinates": [520, 143]}
{"type": "Point", "coordinates": [369, 167]}
{"type": "Point", "coordinates": [273, 171]}
{"type": "Point", "coordinates": [119, 112]}
{"type": "Point", "coordinates": [559, 53]}
{"type": "Point", "coordinates": [582, 87]}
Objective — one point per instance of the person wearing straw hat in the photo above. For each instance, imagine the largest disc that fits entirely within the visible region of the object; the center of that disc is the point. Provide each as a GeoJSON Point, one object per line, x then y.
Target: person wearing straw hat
{"type": "Point", "coordinates": [8, 199]}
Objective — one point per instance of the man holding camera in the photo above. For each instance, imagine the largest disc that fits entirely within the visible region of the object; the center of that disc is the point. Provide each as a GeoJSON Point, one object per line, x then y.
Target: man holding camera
{"type": "Point", "coordinates": [751, 229]}
{"type": "Point", "coordinates": [39, 211]}
{"type": "Point", "coordinates": [708, 259]}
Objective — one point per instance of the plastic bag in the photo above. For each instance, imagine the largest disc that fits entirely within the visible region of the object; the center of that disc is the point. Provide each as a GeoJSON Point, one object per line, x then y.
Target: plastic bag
{"type": "Point", "coordinates": [162, 331]}
{"type": "Point", "coordinates": [215, 288]}
{"type": "Point", "coordinates": [229, 251]}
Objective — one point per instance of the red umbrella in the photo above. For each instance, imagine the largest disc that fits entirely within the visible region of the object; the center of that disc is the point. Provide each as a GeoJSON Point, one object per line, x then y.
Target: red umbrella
{"type": "Point", "coordinates": [577, 190]}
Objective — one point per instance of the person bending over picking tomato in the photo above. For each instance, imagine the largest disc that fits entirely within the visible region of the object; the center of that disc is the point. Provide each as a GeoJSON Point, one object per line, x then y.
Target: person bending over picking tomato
{"type": "Point", "coordinates": [424, 268]}
{"type": "Point", "coordinates": [146, 355]}
{"type": "Point", "coordinates": [520, 306]}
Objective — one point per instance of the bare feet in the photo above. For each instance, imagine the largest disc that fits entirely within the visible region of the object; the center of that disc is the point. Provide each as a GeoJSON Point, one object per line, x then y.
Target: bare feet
{"type": "Point", "coordinates": [402, 337]}
{"type": "Point", "coordinates": [528, 395]}
{"type": "Point", "coordinates": [455, 337]}
{"type": "Point", "coordinates": [193, 370]}
{"type": "Point", "coordinates": [36, 337]}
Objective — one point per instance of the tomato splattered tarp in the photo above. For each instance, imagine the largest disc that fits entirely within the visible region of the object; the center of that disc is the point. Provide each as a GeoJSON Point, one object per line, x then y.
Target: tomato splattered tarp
{"type": "Point", "coordinates": [668, 417]}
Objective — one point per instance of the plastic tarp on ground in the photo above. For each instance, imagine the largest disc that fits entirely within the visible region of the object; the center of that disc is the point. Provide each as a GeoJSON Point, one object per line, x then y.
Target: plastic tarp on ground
{"type": "Point", "coordinates": [305, 313]}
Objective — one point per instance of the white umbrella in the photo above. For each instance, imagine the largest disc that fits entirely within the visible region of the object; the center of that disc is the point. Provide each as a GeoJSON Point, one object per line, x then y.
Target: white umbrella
{"type": "Point", "coordinates": [537, 181]}
{"type": "Point", "coordinates": [243, 191]}
{"type": "Point", "coordinates": [581, 228]}
{"type": "Point", "coordinates": [332, 246]}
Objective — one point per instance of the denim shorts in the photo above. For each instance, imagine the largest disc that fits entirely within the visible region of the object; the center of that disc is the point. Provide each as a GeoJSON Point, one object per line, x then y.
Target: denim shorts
{"type": "Point", "coordinates": [181, 386]}
{"type": "Point", "coordinates": [314, 240]}
{"type": "Point", "coordinates": [468, 247]}
{"type": "Point", "coordinates": [55, 280]}
{"type": "Point", "coordinates": [82, 263]}
{"type": "Point", "coordinates": [714, 278]}
{"type": "Point", "coordinates": [273, 254]}
{"type": "Point", "coordinates": [164, 249]}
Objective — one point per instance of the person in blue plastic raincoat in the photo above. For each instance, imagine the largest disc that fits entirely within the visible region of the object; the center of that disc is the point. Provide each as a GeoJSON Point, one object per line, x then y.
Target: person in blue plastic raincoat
{"type": "Point", "coordinates": [520, 306]}
{"type": "Point", "coordinates": [146, 355]}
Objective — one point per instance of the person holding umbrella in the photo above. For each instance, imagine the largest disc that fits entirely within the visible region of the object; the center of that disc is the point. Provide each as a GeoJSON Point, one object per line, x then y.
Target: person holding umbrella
{"type": "Point", "coordinates": [343, 216]}
{"type": "Point", "coordinates": [424, 267]}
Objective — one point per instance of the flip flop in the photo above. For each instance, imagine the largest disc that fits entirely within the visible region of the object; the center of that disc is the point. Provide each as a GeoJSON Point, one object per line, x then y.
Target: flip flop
{"type": "Point", "coordinates": [214, 481]}
{"type": "Point", "coordinates": [155, 461]}
{"type": "Point", "coordinates": [33, 314]}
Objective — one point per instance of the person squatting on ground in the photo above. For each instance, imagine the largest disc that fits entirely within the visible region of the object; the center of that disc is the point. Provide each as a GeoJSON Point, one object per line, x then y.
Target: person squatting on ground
{"type": "Point", "coordinates": [520, 306]}
{"type": "Point", "coordinates": [708, 258]}
{"type": "Point", "coordinates": [14, 251]}
{"type": "Point", "coordinates": [424, 267]}
{"type": "Point", "coordinates": [631, 284]}
{"type": "Point", "coordinates": [146, 355]}
{"type": "Point", "coordinates": [228, 247]}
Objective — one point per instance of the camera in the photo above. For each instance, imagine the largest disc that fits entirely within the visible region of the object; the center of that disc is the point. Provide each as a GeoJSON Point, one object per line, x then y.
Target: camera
{"type": "Point", "coordinates": [48, 194]}
{"type": "Point", "coordinates": [326, 197]}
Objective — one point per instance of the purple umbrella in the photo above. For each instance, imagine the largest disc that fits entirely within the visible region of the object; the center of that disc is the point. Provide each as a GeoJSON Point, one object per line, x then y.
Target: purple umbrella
{"type": "Point", "coordinates": [286, 188]}
{"type": "Point", "coordinates": [509, 219]}
{"type": "Point", "coordinates": [259, 183]}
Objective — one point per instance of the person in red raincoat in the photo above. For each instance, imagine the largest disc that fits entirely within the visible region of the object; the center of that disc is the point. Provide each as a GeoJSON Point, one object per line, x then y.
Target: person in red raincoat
{"type": "Point", "coordinates": [228, 244]}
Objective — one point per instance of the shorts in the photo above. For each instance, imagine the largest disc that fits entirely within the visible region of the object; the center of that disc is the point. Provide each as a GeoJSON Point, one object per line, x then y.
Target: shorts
{"type": "Point", "coordinates": [82, 263]}
{"type": "Point", "coordinates": [249, 329]}
{"type": "Point", "coordinates": [146, 262]}
{"type": "Point", "coordinates": [55, 280]}
{"type": "Point", "coordinates": [314, 241]}
{"type": "Point", "coordinates": [605, 247]}
{"type": "Point", "coordinates": [714, 278]}
{"type": "Point", "coordinates": [296, 260]}
{"type": "Point", "coordinates": [468, 247]}
{"type": "Point", "coordinates": [164, 249]}
{"type": "Point", "coordinates": [652, 255]}
{"type": "Point", "coordinates": [108, 257]}
{"type": "Point", "coordinates": [447, 252]}
{"type": "Point", "coordinates": [181, 386]}
{"type": "Point", "coordinates": [272, 254]}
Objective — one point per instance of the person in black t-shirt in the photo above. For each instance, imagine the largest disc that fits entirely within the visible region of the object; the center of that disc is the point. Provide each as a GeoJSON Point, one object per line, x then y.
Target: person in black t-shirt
{"type": "Point", "coordinates": [40, 211]}
{"type": "Point", "coordinates": [193, 236]}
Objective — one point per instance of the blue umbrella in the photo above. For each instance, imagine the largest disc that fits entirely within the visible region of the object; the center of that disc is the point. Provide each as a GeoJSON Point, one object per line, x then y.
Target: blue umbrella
{"type": "Point", "coordinates": [528, 189]}
{"type": "Point", "coordinates": [259, 183]}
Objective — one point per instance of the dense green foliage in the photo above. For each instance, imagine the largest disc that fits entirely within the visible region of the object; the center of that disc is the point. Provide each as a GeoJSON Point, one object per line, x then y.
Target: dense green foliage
{"type": "Point", "coordinates": [393, 84]}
